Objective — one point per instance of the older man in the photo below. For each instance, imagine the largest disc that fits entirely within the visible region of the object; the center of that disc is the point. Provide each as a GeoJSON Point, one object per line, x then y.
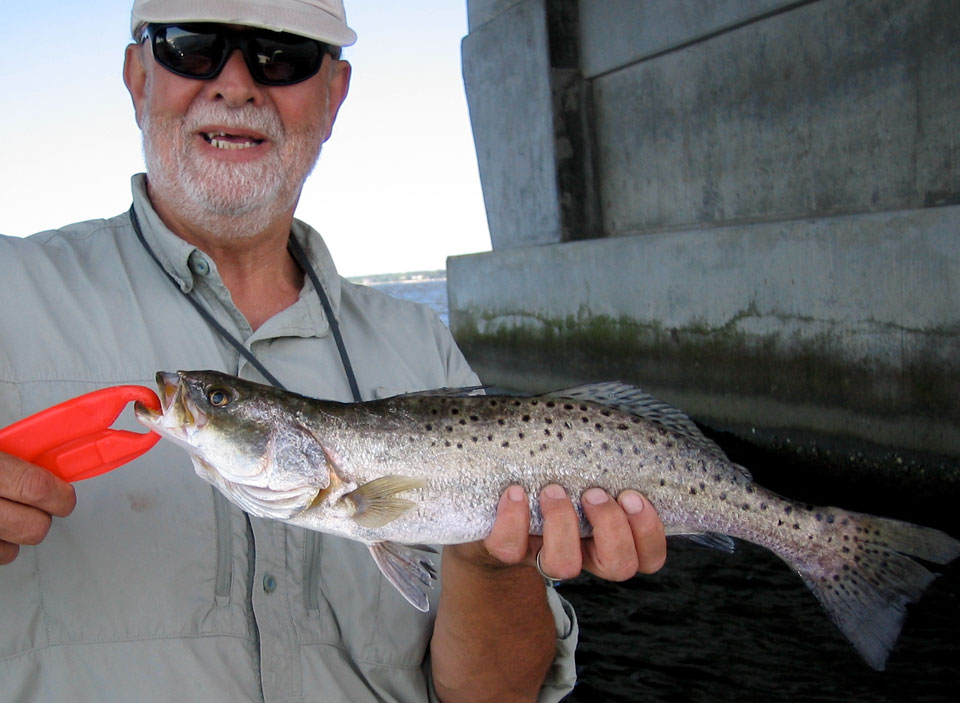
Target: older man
{"type": "Point", "coordinates": [154, 588]}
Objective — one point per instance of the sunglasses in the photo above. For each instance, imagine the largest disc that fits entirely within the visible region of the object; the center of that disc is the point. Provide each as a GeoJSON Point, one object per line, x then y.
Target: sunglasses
{"type": "Point", "coordinates": [202, 50]}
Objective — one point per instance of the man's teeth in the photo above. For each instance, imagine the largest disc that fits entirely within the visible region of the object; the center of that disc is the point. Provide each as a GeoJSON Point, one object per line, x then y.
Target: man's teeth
{"type": "Point", "coordinates": [215, 139]}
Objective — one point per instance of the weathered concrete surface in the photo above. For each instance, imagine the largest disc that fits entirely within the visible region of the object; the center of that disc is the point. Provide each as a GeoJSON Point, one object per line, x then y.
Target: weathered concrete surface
{"type": "Point", "coordinates": [615, 33]}
{"type": "Point", "coordinates": [772, 191]}
{"type": "Point", "coordinates": [833, 107]}
{"type": "Point", "coordinates": [480, 12]}
{"type": "Point", "coordinates": [506, 71]}
{"type": "Point", "coordinates": [849, 326]}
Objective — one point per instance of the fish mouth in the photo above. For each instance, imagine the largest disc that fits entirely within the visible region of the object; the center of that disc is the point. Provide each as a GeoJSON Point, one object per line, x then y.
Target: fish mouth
{"type": "Point", "coordinates": [179, 414]}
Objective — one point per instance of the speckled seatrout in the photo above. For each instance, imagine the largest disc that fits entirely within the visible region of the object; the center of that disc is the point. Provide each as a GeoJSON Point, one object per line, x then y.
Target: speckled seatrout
{"type": "Point", "coordinates": [429, 468]}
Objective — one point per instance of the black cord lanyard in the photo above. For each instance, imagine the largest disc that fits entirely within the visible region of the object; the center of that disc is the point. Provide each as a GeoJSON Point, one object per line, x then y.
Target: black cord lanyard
{"type": "Point", "coordinates": [297, 252]}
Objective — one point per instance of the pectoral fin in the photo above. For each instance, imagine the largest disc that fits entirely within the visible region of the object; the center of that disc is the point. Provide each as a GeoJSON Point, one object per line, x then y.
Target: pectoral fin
{"type": "Point", "coordinates": [406, 570]}
{"type": "Point", "coordinates": [375, 502]}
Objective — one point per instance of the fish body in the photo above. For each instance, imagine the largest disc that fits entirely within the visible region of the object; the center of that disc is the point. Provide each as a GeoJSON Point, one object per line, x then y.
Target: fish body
{"type": "Point", "coordinates": [429, 468]}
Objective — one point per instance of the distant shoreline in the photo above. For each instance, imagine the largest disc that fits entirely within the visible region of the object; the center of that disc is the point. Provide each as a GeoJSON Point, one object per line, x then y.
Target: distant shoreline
{"type": "Point", "coordinates": [408, 277]}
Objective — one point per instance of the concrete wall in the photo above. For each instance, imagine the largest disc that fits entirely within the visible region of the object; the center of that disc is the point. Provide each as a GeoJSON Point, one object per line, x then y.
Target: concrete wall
{"type": "Point", "coordinates": [766, 195]}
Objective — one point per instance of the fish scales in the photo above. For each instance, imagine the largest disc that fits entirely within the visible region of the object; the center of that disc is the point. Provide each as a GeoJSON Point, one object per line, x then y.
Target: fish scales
{"type": "Point", "coordinates": [490, 443]}
{"type": "Point", "coordinates": [429, 468]}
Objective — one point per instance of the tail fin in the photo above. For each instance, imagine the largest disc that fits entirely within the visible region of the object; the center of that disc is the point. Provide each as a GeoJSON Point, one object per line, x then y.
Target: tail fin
{"type": "Point", "coordinates": [866, 579]}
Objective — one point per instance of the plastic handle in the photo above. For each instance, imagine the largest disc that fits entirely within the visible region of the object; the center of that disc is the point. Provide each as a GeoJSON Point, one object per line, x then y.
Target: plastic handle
{"type": "Point", "coordinates": [73, 439]}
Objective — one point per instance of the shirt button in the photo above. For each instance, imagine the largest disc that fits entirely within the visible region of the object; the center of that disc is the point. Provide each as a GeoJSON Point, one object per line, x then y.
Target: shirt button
{"type": "Point", "coordinates": [269, 583]}
{"type": "Point", "coordinates": [199, 265]}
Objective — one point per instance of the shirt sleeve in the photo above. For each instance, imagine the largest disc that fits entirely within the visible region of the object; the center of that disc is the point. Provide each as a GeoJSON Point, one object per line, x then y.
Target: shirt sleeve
{"type": "Point", "coordinates": [562, 674]}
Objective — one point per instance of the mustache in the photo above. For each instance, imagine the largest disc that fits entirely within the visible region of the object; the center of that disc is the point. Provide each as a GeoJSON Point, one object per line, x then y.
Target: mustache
{"type": "Point", "coordinates": [263, 120]}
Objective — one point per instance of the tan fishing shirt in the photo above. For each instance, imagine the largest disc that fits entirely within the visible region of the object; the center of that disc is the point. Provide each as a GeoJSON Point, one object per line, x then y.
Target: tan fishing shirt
{"type": "Point", "coordinates": [155, 588]}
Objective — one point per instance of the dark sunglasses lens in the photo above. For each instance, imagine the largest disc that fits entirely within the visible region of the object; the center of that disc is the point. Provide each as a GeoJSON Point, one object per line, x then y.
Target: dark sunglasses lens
{"type": "Point", "coordinates": [290, 59]}
{"type": "Point", "coordinates": [194, 54]}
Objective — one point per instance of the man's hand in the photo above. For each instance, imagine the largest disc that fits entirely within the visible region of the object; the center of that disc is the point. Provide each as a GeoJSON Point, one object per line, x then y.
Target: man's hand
{"type": "Point", "coordinates": [628, 537]}
{"type": "Point", "coordinates": [29, 498]}
{"type": "Point", "coordinates": [495, 637]}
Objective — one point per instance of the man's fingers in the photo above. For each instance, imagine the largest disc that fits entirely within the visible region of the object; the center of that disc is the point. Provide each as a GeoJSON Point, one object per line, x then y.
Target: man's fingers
{"type": "Point", "coordinates": [507, 540]}
{"type": "Point", "coordinates": [648, 533]}
{"type": "Point", "coordinates": [611, 554]}
{"type": "Point", "coordinates": [8, 552]}
{"type": "Point", "coordinates": [29, 496]}
{"type": "Point", "coordinates": [34, 486]}
{"type": "Point", "coordinates": [22, 524]}
{"type": "Point", "coordinates": [560, 556]}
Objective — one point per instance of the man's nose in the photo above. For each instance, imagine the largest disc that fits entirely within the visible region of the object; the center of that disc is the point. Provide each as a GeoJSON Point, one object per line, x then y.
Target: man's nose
{"type": "Point", "coordinates": [234, 84]}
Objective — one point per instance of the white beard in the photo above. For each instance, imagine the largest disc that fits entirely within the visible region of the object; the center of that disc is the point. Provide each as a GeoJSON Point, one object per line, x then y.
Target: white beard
{"type": "Point", "coordinates": [230, 200]}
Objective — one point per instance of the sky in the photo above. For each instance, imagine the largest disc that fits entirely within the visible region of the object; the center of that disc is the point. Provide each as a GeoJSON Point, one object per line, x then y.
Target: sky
{"type": "Point", "coordinates": [396, 188]}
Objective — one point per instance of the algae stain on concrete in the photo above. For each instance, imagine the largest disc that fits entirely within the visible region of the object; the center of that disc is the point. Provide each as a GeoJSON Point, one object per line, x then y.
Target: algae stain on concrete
{"type": "Point", "coordinates": [813, 368]}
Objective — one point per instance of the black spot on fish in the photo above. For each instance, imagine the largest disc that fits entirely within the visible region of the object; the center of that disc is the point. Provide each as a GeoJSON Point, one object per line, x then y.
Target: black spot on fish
{"type": "Point", "coordinates": [505, 444]}
{"type": "Point", "coordinates": [598, 427]}
{"type": "Point", "coordinates": [548, 420]}
{"type": "Point", "coordinates": [551, 404]}
{"type": "Point", "coordinates": [787, 510]}
{"type": "Point", "coordinates": [559, 435]}
{"type": "Point", "coordinates": [474, 418]}
{"type": "Point", "coordinates": [501, 422]}
{"type": "Point", "coordinates": [605, 447]}
{"type": "Point", "coordinates": [796, 526]}
{"type": "Point", "coordinates": [454, 411]}
{"type": "Point", "coordinates": [693, 491]}
{"type": "Point", "coordinates": [745, 506]}
{"type": "Point", "coordinates": [622, 426]}
{"type": "Point", "coordinates": [526, 418]}
{"type": "Point", "coordinates": [462, 422]}
{"type": "Point", "coordinates": [520, 435]}
{"type": "Point", "coordinates": [429, 427]}
{"type": "Point", "coordinates": [567, 406]}
{"type": "Point", "coordinates": [663, 482]}
{"type": "Point", "coordinates": [475, 439]}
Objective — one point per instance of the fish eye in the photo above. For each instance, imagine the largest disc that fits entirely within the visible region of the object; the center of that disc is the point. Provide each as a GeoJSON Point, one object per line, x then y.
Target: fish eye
{"type": "Point", "coordinates": [218, 397]}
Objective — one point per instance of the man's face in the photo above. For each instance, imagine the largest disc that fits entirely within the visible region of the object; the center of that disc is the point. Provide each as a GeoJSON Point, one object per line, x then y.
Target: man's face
{"type": "Point", "coordinates": [228, 154]}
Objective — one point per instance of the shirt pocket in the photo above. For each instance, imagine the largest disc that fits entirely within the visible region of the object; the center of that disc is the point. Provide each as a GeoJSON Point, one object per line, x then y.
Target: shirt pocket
{"type": "Point", "coordinates": [138, 558]}
{"type": "Point", "coordinates": [352, 606]}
